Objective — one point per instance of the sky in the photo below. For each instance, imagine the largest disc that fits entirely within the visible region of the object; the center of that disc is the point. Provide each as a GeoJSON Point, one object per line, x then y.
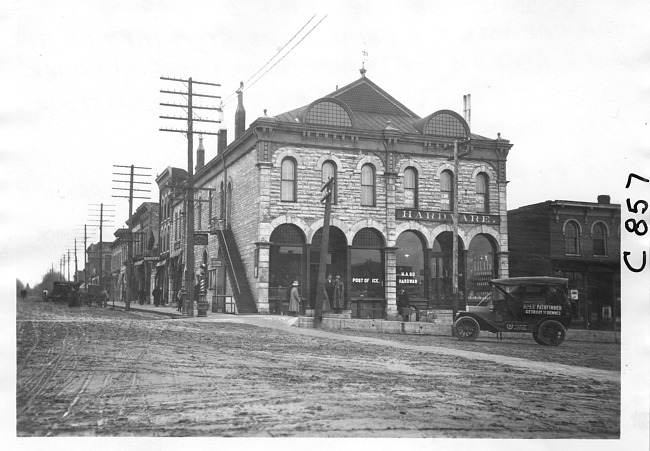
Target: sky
{"type": "Point", "coordinates": [565, 82]}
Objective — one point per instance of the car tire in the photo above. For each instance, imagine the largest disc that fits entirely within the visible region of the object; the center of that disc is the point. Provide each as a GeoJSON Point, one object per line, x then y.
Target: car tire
{"type": "Point", "coordinates": [537, 340]}
{"type": "Point", "coordinates": [466, 328]}
{"type": "Point", "coordinates": [550, 333]}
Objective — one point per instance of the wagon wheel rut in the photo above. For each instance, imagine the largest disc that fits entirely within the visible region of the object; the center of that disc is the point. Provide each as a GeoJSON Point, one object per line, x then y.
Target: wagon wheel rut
{"type": "Point", "coordinates": [236, 404]}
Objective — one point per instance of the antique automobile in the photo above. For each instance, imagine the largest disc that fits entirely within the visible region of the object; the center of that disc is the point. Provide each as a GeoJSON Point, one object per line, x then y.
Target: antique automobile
{"type": "Point", "coordinates": [539, 305]}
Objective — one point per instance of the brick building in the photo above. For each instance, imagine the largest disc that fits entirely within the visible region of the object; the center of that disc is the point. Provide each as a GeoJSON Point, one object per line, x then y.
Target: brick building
{"type": "Point", "coordinates": [169, 270]}
{"type": "Point", "coordinates": [99, 261]}
{"type": "Point", "coordinates": [119, 257]}
{"type": "Point", "coordinates": [144, 228]}
{"type": "Point", "coordinates": [577, 240]}
{"type": "Point", "coordinates": [391, 228]}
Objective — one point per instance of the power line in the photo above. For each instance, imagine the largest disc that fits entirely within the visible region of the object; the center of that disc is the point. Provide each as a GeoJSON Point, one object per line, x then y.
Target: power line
{"type": "Point", "coordinates": [272, 58]}
{"type": "Point", "coordinates": [247, 86]}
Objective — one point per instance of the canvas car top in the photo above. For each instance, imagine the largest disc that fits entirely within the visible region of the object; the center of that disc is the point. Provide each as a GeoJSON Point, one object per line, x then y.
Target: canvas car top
{"type": "Point", "coordinates": [539, 280]}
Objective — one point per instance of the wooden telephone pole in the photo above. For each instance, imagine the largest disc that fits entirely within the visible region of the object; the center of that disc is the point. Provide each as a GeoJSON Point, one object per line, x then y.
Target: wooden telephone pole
{"type": "Point", "coordinates": [454, 292]}
{"type": "Point", "coordinates": [133, 194]}
{"type": "Point", "coordinates": [326, 197]}
{"type": "Point", "coordinates": [100, 224]}
{"type": "Point", "coordinates": [189, 191]}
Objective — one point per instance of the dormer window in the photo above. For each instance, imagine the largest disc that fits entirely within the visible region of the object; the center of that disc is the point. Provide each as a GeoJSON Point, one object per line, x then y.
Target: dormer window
{"type": "Point", "coordinates": [328, 112]}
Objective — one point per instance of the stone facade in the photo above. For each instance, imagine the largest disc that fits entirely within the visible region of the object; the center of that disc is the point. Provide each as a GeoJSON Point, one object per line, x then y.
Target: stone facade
{"type": "Point", "coordinates": [265, 188]}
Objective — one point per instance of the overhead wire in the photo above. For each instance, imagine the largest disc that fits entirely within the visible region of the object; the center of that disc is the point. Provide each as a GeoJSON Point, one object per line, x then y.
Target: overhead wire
{"type": "Point", "coordinates": [231, 97]}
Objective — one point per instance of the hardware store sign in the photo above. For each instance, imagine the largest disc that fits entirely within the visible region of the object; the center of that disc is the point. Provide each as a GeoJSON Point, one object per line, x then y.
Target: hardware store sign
{"type": "Point", "coordinates": [445, 216]}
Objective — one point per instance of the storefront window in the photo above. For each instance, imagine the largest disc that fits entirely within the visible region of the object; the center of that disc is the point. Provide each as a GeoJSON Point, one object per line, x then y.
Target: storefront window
{"type": "Point", "coordinates": [286, 260]}
{"type": "Point", "coordinates": [367, 266]}
{"type": "Point", "coordinates": [410, 265]}
{"type": "Point", "coordinates": [480, 268]}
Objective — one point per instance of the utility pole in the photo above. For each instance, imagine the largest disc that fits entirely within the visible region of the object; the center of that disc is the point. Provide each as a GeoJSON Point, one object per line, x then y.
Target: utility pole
{"type": "Point", "coordinates": [68, 264]}
{"type": "Point", "coordinates": [101, 243]}
{"type": "Point", "coordinates": [189, 192]}
{"type": "Point", "coordinates": [129, 245]}
{"type": "Point", "coordinates": [454, 295]}
{"type": "Point", "coordinates": [326, 197]}
{"type": "Point", "coordinates": [86, 258]}
{"type": "Point", "coordinates": [76, 268]}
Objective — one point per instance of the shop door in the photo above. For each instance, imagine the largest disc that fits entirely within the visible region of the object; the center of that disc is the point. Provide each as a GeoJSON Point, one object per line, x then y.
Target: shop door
{"type": "Point", "coordinates": [441, 283]}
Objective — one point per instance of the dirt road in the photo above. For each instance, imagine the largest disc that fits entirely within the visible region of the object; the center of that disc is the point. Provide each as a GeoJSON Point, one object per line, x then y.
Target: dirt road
{"type": "Point", "coordinates": [99, 372]}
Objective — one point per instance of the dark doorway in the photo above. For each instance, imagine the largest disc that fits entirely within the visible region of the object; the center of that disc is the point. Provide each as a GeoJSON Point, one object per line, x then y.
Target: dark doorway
{"type": "Point", "coordinates": [441, 285]}
{"type": "Point", "coordinates": [336, 262]}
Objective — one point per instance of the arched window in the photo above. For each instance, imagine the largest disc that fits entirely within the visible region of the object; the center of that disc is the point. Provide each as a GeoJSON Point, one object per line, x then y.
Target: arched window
{"type": "Point", "coordinates": [410, 188]}
{"type": "Point", "coordinates": [446, 190]}
{"type": "Point", "coordinates": [368, 185]}
{"type": "Point", "coordinates": [599, 236]}
{"type": "Point", "coordinates": [482, 193]}
{"type": "Point", "coordinates": [288, 189]}
{"type": "Point", "coordinates": [367, 265]}
{"type": "Point", "coordinates": [571, 238]}
{"type": "Point", "coordinates": [329, 170]}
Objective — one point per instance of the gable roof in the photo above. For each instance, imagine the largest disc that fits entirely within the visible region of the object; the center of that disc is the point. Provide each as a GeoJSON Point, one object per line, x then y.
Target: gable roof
{"type": "Point", "coordinates": [373, 109]}
{"type": "Point", "coordinates": [365, 96]}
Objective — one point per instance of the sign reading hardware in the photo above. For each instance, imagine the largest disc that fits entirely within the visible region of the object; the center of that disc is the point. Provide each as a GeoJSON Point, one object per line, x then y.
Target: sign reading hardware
{"type": "Point", "coordinates": [445, 216]}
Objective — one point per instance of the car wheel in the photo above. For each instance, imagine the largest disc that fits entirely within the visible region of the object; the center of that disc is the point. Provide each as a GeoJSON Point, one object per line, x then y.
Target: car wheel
{"type": "Point", "coordinates": [551, 333]}
{"type": "Point", "coordinates": [467, 328]}
{"type": "Point", "coordinates": [536, 338]}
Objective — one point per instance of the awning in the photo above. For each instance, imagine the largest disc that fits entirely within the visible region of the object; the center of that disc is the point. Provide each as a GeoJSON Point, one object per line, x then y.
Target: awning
{"type": "Point", "coordinates": [138, 263]}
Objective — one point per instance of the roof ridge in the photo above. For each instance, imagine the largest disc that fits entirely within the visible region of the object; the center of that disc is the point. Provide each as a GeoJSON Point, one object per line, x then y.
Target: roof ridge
{"type": "Point", "coordinates": [366, 81]}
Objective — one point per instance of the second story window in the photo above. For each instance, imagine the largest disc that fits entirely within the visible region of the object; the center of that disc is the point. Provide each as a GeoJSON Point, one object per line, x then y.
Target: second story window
{"type": "Point", "coordinates": [446, 190]}
{"type": "Point", "coordinates": [410, 188]}
{"type": "Point", "coordinates": [571, 238]}
{"type": "Point", "coordinates": [368, 185]}
{"type": "Point", "coordinates": [482, 199]}
{"type": "Point", "coordinates": [288, 176]}
{"type": "Point", "coordinates": [329, 170]}
{"type": "Point", "coordinates": [599, 240]}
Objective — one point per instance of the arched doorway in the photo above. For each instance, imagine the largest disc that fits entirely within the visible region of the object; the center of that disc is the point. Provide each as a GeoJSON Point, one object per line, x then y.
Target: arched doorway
{"type": "Point", "coordinates": [367, 284]}
{"type": "Point", "coordinates": [481, 267]}
{"type": "Point", "coordinates": [410, 267]}
{"type": "Point", "coordinates": [337, 262]}
{"type": "Point", "coordinates": [286, 263]}
{"type": "Point", "coordinates": [441, 285]}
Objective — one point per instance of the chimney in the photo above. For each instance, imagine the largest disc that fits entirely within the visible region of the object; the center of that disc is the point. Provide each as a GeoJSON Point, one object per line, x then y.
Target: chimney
{"type": "Point", "coordinates": [222, 139]}
{"type": "Point", "coordinates": [603, 199]}
{"type": "Point", "coordinates": [240, 113]}
{"type": "Point", "coordinates": [467, 109]}
{"type": "Point", "coordinates": [200, 154]}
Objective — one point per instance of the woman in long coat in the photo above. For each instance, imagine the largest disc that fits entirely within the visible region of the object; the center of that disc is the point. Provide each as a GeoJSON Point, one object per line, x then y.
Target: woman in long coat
{"type": "Point", "coordinates": [294, 299]}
